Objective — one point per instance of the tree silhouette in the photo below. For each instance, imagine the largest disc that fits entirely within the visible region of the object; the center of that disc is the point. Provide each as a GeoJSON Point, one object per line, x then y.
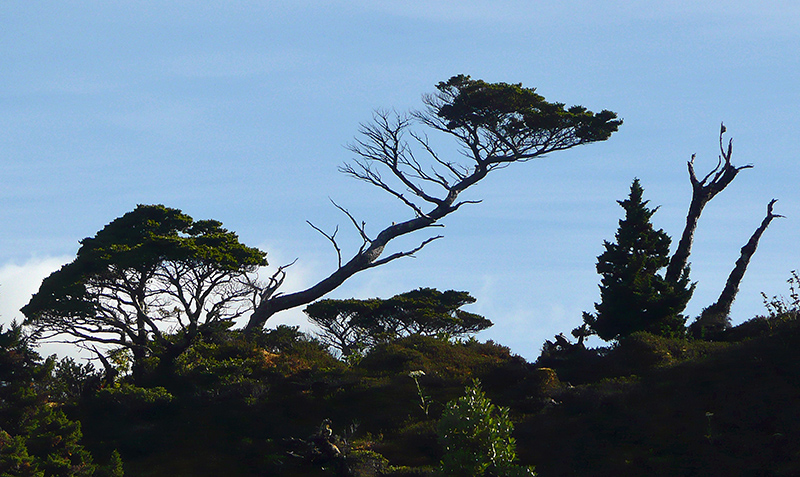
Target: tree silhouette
{"type": "Point", "coordinates": [716, 318]}
{"type": "Point", "coordinates": [352, 325]}
{"type": "Point", "coordinates": [495, 124]}
{"type": "Point", "coordinates": [633, 296]}
{"type": "Point", "coordinates": [150, 271]}
{"type": "Point", "coordinates": [703, 190]}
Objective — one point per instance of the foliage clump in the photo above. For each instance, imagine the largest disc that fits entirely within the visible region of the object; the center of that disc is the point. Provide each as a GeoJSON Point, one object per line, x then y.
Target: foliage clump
{"type": "Point", "coordinates": [437, 356]}
{"type": "Point", "coordinates": [783, 307]}
{"type": "Point", "coordinates": [36, 437]}
{"type": "Point", "coordinates": [476, 436]}
{"type": "Point", "coordinates": [352, 326]}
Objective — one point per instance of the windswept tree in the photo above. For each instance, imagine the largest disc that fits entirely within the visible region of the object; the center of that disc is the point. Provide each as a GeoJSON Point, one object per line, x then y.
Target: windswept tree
{"type": "Point", "coordinates": [337, 321]}
{"type": "Point", "coordinates": [152, 271]}
{"type": "Point", "coordinates": [496, 125]}
{"type": "Point", "coordinates": [633, 295]}
{"type": "Point", "coordinates": [349, 326]}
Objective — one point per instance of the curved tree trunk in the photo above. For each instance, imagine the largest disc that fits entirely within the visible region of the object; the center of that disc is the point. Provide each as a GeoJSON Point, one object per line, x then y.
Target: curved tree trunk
{"type": "Point", "coordinates": [364, 259]}
{"type": "Point", "coordinates": [512, 126]}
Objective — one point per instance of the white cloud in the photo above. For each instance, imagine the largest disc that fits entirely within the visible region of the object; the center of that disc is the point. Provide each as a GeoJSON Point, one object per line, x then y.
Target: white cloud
{"type": "Point", "coordinates": [19, 282]}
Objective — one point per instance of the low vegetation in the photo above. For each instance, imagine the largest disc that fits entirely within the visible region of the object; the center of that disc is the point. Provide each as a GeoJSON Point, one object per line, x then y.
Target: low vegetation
{"type": "Point", "coordinates": [280, 403]}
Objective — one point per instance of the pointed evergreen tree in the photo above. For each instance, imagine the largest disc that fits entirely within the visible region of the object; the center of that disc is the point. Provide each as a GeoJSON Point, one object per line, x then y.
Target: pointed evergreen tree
{"type": "Point", "coordinates": [633, 296]}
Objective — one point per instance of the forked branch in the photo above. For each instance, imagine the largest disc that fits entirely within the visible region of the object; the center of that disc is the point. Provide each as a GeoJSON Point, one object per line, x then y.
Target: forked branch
{"type": "Point", "coordinates": [702, 192]}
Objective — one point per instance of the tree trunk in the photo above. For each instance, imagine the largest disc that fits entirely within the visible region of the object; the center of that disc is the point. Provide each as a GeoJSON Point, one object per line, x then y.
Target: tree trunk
{"type": "Point", "coordinates": [363, 260]}
{"type": "Point", "coordinates": [716, 317]}
{"type": "Point", "coordinates": [680, 259]}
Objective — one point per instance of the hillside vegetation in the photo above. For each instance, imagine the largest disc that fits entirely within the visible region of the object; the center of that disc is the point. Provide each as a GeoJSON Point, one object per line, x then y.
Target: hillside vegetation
{"type": "Point", "coordinates": [281, 404]}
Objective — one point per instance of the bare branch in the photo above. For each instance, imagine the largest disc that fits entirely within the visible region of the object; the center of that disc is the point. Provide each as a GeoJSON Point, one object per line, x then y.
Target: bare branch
{"type": "Point", "coordinates": [275, 282]}
{"type": "Point", "coordinates": [702, 192]}
{"type": "Point", "coordinates": [384, 144]}
{"type": "Point", "coordinates": [458, 171]}
{"type": "Point", "coordinates": [455, 207]}
{"type": "Point", "coordinates": [368, 175]}
{"type": "Point", "coordinates": [494, 124]}
{"type": "Point", "coordinates": [331, 238]}
{"type": "Point", "coordinates": [715, 318]}
{"type": "Point", "coordinates": [360, 227]}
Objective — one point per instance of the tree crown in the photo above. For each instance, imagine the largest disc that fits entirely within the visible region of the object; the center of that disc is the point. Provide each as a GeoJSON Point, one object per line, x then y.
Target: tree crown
{"type": "Point", "coordinates": [634, 297]}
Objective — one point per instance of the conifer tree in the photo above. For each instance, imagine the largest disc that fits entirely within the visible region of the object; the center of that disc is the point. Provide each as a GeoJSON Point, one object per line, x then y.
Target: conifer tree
{"type": "Point", "coordinates": [633, 295]}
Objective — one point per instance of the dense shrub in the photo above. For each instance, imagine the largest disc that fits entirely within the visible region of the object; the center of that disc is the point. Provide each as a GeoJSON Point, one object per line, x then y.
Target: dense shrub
{"type": "Point", "coordinates": [130, 398]}
{"type": "Point", "coordinates": [640, 351]}
{"type": "Point", "coordinates": [436, 356]}
{"type": "Point", "coordinates": [476, 436]}
{"type": "Point", "coordinates": [37, 437]}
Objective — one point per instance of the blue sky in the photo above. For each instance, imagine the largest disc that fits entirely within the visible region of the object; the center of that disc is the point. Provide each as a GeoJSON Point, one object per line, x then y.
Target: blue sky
{"type": "Point", "coordinates": [241, 111]}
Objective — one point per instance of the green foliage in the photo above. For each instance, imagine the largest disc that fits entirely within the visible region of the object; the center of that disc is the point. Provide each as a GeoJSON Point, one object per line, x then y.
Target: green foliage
{"type": "Point", "coordinates": [656, 423]}
{"type": "Point", "coordinates": [519, 115]}
{"type": "Point", "coordinates": [634, 297]}
{"type": "Point", "coordinates": [436, 357]}
{"type": "Point", "coordinates": [366, 462]}
{"type": "Point", "coordinates": [151, 269]}
{"type": "Point", "coordinates": [70, 379]}
{"type": "Point", "coordinates": [786, 307]}
{"type": "Point", "coordinates": [783, 315]}
{"type": "Point", "coordinates": [425, 311]}
{"type": "Point", "coordinates": [54, 441]}
{"type": "Point", "coordinates": [233, 368]}
{"type": "Point", "coordinates": [114, 467]}
{"type": "Point", "coordinates": [476, 436]}
{"type": "Point", "coordinates": [37, 437]}
{"type": "Point", "coordinates": [352, 326]}
{"type": "Point", "coordinates": [642, 350]}
{"type": "Point", "coordinates": [131, 398]}
{"type": "Point", "coordinates": [339, 328]}
{"type": "Point", "coordinates": [14, 458]}
{"type": "Point", "coordinates": [282, 338]}
{"type": "Point", "coordinates": [639, 408]}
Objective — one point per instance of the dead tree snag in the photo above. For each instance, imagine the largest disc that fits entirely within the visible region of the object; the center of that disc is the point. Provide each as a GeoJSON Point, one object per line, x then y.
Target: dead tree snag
{"type": "Point", "coordinates": [702, 192]}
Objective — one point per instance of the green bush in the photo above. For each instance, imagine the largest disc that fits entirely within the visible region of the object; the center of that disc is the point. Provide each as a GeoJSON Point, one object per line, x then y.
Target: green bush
{"type": "Point", "coordinates": [14, 457]}
{"type": "Point", "coordinates": [436, 356]}
{"type": "Point", "coordinates": [476, 436]}
{"type": "Point", "coordinates": [133, 398]}
{"type": "Point", "coordinates": [642, 350]}
{"type": "Point", "coordinates": [37, 438]}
